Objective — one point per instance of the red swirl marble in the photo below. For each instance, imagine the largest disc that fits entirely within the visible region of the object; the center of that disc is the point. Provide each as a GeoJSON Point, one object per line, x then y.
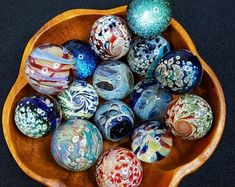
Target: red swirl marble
{"type": "Point", "coordinates": [49, 69]}
{"type": "Point", "coordinates": [119, 167]}
{"type": "Point", "coordinates": [110, 38]}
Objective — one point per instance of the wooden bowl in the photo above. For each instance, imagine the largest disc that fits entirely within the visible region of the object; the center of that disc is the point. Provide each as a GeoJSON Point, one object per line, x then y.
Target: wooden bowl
{"type": "Point", "coordinates": [33, 155]}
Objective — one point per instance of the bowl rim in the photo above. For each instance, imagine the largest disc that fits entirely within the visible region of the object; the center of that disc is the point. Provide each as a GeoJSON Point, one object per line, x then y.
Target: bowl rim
{"type": "Point", "coordinates": [178, 173]}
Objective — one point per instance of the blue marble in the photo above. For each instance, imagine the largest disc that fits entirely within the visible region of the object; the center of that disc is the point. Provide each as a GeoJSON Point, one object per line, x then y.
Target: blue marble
{"type": "Point", "coordinates": [37, 116]}
{"type": "Point", "coordinates": [113, 80]}
{"type": "Point", "coordinates": [145, 54]}
{"type": "Point", "coordinates": [149, 101]}
{"type": "Point", "coordinates": [151, 142]}
{"type": "Point", "coordinates": [79, 101]}
{"type": "Point", "coordinates": [148, 17]}
{"type": "Point", "coordinates": [179, 72]}
{"type": "Point", "coordinates": [115, 120]}
{"type": "Point", "coordinates": [76, 145]}
{"type": "Point", "coordinates": [86, 60]}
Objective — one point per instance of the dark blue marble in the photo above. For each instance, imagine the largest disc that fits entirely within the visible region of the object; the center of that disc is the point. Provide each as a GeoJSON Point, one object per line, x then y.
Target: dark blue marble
{"type": "Point", "coordinates": [149, 101]}
{"type": "Point", "coordinates": [86, 59]}
{"type": "Point", "coordinates": [179, 72]}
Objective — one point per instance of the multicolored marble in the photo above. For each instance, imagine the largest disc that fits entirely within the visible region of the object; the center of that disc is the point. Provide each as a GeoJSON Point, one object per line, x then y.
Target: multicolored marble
{"type": "Point", "coordinates": [110, 37]}
{"type": "Point", "coordinates": [151, 142]}
{"type": "Point", "coordinates": [76, 145]}
{"type": "Point", "coordinates": [149, 17]}
{"type": "Point", "coordinates": [115, 120]}
{"type": "Point", "coordinates": [145, 54]}
{"type": "Point", "coordinates": [118, 167]}
{"type": "Point", "coordinates": [86, 60]}
{"type": "Point", "coordinates": [179, 72]}
{"type": "Point", "coordinates": [79, 101]}
{"type": "Point", "coordinates": [49, 69]}
{"type": "Point", "coordinates": [113, 80]}
{"type": "Point", "coordinates": [149, 101]}
{"type": "Point", "coordinates": [37, 116]}
{"type": "Point", "coordinates": [189, 116]}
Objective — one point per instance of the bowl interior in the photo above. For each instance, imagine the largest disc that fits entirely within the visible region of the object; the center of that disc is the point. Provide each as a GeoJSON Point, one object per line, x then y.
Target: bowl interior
{"type": "Point", "coordinates": [35, 153]}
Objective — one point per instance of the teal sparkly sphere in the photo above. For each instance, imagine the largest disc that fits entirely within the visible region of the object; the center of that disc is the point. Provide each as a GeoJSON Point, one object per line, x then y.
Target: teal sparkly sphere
{"type": "Point", "coordinates": [148, 17]}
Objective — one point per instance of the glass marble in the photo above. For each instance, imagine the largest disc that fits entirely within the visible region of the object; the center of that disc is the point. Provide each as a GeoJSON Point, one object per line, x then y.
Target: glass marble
{"type": "Point", "coordinates": [49, 69]}
{"type": "Point", "coordinates": [115, 120]}
{"type": "Point", "coordinates": [76, 145]}
{"type": "Point", "coordinates": [118, 167]}
{"type": "Point", "coordinates": [110, 38]}
{"type": "Point", "coordinates": [37, 116]}
{"type": "Point", "coordinates": [148, 18]}
{"type": "Point", "coordinates": [189, 117]}
{"type": "Point", "coordinates": [145, 54]}
{"type": "Point", "coordinates": [149, 101]}
{"type": "Point", "coordinates": [151, 142]}
{"type": "Point", "coordinates": [79, 101]}
{"type": "Point", "coordinates": [85, 59]}
{"type": "Point", "coordinates": [113, 80]}
{"type": "Point", "coordinates": [179, 72]}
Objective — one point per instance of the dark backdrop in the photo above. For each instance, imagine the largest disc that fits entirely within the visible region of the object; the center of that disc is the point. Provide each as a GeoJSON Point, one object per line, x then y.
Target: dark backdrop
{"type": "Point", "coordinates": [209, 22]}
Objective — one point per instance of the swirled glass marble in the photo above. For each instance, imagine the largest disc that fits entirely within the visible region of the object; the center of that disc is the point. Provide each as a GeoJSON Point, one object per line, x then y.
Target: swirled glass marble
{"type": "Point", "coordinates": [76, 145]}
{"type": "Point", "coordinates": [85, 59]}
{"type": "Point", "coordinates": [149, 101]}
{"type": "Point", "coordinates": [148, 17]}
{"type": "Point", "coordinates": [118, 167]}
{"type": "Point", "coordinates": [49, 69]}
{"type": "Point", "coordinates": [189, 117]}
{"type": "Point", "coordinates": [36, 116]}
{"type": "Point", "coordinates": [145, 54]}
{"type": "Point", "coordinates": [179, 72]}
{"type": "Point", "coordinates": [79, 101]}
{"type": "Point", "coordinates": [113, 80]}
{"type": "Point", "coordinates": [151, 142]}
{"type": "Point", "coordinates": [115, 120]}
{"type": "Point", "coordinates": [110, 37]}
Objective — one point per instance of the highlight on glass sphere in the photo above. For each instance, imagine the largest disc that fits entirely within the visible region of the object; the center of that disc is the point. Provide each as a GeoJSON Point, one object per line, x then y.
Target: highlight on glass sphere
{"type": "Point", "coordinates": [118, 167]}
{"type": "Point", "coordinates": [113, 80]}
{"type": "Point", "coordinates": [76, 145]}
{"type": "Point", "coordinates": [145, 54]}
{"type": "Point", "coordinates": [189, 117]}
{"type": "Point", "coordinates": [110, 37]}
{"type": "Point", "coordinates": [151, 142]}
{"type": "Point", "coordinates": [149, 101]}
{"type": "Point", "coordinates": [49, 69]}
{"type": "Point", "coordinates": [115, 120]}
{"type": "Point", "coordinates": [85, 59]}
{"type": "Point", "coordinates": [179, 72]}
{"type": "Point", "coordinates": [148, 18]}
{"type": "Point", "coordinates": [37, 116]}
{"type": "Point", "coordinates": [79, 101]}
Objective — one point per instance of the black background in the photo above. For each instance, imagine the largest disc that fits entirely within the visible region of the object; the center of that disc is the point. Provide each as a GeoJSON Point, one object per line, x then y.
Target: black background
{"type": "Point", "coordinates": [211, 25]}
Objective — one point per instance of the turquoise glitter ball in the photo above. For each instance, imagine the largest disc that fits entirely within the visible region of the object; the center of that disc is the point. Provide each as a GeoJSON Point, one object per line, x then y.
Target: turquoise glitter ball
{"type": "Point", "coordinates": [148, 17]}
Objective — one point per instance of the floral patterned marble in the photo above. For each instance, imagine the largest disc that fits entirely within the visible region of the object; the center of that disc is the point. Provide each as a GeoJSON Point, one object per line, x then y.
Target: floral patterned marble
{"type": "Point", "coordinates": [76, 145]}
{"type": "Point", "coordinates": [115, 120]}
{"type": "Point", "coordinates": [36, 116]}
{"type": "Point", "coordinates": [49, 69]}
{"type": "Point", "coordinates": [145, 54]}
{"type": "Point", "coordinates": [151, 142]}
{"type": "Point", "coordinates": [118, 167]}
{"type": "Point", "coordinates": [179, 72]}
{"type": "Point", "coordinates": [189, 116]}
{"type": "Point", "coordinates": [113, 80]}
{"type": "Point", "coordinates": [79, 101]}
{"type": "Point", "coordinates": [149, 101]}
{"type": "Point", "coordinates": [110, 38]}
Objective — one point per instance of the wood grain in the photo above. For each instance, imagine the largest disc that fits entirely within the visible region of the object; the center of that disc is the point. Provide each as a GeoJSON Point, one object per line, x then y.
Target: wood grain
{"type": "Point", "coordinates": [33, 155]}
